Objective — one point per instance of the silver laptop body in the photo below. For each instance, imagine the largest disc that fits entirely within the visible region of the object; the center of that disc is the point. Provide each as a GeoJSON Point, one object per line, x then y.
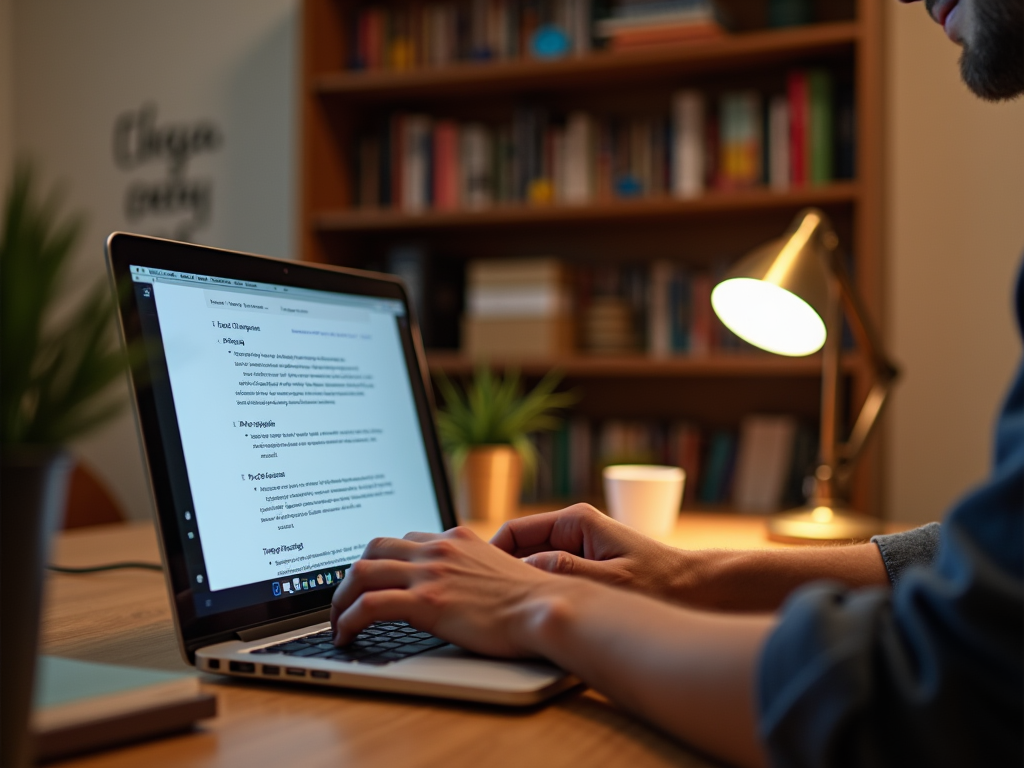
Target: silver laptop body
{"type": "Point", "coordinates": [285, 415]}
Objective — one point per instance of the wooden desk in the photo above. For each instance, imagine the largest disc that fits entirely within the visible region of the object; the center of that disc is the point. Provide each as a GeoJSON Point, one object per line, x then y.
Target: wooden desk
{"type": "Point", "coordinates": [124, 617]}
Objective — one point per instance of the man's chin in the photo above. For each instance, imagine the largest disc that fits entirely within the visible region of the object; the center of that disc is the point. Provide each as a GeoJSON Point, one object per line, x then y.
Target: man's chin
{"type": "Point", "coordinates": [1009, 84]}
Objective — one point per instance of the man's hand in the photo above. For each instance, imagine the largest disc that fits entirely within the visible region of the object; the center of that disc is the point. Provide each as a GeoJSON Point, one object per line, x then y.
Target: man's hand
{"type": "Point", "coordinates": [580, 541]}
{"type": "Point", "coordinates": [453, 585]}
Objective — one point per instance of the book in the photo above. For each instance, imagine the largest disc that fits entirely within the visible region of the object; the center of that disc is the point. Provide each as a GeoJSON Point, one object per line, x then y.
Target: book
{"type": "Point", "coordinates": [688, 143]}
{"type": "Point", "coordinates": [715, 483]}
{"type": "Point", "coordinates": [778, 144]}
{"type": "Point", "coordinates": [741, 139]}
{"type": "Point", "coordinates": [798, 127]}
{"type": "Point", "coordinates": [820, 126]}
{"type": "Point", "coordinates": [633, 38]}
{"type": "Point", "coordinates": [517, 300]}
{"type": "Point", "coordinates": [543, 270]}
{"type": "Point", "coordinates": [741, 136]}
{"type": "Point", "coordinates": [475, 159]}
{"type": "Point", "coordinates": [81, 706]}
{"type": "Point", "coordinates": [488, 338]}
{"type": "Point", "coordinates": [580, 145]}
{"type": "Point", "coordinates": [659, 317]}
{"type": "Point", "coordinates": [447, 178]}
{"type": "Point", "coordinates": [763, 462]}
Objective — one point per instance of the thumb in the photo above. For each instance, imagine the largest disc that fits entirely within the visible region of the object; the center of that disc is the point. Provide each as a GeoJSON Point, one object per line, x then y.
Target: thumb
{"type": "Point", "coordinates": [566, 563]}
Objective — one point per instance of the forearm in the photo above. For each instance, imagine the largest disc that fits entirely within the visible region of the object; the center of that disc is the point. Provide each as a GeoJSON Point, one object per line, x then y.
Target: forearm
{"type": "Point", "coordinates": [690, 672]}
{"type": "Point", "coordinates": [760, 580]}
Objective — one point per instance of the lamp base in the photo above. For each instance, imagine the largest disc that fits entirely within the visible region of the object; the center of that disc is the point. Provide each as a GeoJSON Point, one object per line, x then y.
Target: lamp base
{"type": "Point", "coordinates": [820, 523]}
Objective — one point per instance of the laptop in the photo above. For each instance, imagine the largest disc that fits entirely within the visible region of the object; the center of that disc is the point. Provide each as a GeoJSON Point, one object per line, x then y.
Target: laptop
{"type": "Point", "coordinates": [285, 416]}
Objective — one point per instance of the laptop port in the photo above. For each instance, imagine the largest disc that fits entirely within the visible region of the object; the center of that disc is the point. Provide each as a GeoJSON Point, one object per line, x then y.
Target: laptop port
{"type": "Point", "coordinates": [242, 666]}
{"type": "Point", "coordinates": [271, 669]}
{"type": "Point", "coordinates": [213, 663]}
{"type": "Point", "coordinates": [295, 671]}
{"type": "Point", "coordinates": [320, 674]}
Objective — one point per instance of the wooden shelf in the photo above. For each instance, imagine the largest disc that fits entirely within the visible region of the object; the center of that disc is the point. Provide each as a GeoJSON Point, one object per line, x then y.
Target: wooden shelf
{"type": "Point", "coordinates": [739, 51]}
{"type": "Point", "coordinates": [618, 211]}
{"type": "Point", "coordinates": [640, 366]}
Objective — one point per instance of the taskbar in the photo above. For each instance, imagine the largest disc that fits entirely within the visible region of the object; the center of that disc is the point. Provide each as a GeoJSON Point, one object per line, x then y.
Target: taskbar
{"type": "Point", "coordinates": [328, 577]}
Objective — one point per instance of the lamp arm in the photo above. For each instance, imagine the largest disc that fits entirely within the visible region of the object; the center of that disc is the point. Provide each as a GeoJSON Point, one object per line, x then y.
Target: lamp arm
{"type": "Point", "coordinates": [884, 371]}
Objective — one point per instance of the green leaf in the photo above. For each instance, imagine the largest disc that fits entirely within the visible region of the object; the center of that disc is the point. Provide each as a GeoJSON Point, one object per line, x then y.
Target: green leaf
{"type": "Point", "coordinates": [491, 411]}
{"type": "Point", "coordinates": [54, 377]}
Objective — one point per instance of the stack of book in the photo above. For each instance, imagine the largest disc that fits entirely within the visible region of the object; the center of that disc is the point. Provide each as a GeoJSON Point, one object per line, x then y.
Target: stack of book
{"type": "Point", "coordinates": [517, 309]}
{"type": "Point", "coordinates": [740, 139]}
{"type": "Point", "coordinates": [759, 468]}
{"type": "Point", "coordinates": [439, 34]}
{"type": "Point", "coordinates": [637, 24]}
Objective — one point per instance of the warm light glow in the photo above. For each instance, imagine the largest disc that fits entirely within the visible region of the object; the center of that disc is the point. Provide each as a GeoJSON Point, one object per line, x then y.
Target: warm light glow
{"type": "Point", "coordinates": [768, 316]}
{"type": "Point", "coordinates": [821, 515]}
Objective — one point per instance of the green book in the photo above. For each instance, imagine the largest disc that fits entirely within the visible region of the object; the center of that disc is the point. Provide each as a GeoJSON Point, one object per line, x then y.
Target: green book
{"type": "Point", "coordinates": [819, 86]}
{"type": "Point", "coordinates": [81, 706]}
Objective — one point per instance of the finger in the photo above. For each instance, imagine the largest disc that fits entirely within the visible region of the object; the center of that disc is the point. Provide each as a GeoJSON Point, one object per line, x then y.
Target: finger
{"type": "Point", "coordinates": [367, 576]}
{"type": "Point", "coordinates": [562, 530]}
{"type": "Point", "coordinates": [384, 605]}
{"type": "Point", "coordinates": [570, 565]}
{"type": "Point", "coordinates": [420, 537]}
{"type": "Point", "coordinates": [387, 548]}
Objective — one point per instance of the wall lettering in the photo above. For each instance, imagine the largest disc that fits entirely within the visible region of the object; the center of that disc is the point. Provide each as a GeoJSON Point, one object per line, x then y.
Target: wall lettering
{"type": "Point", "coordinates": [178, 204]}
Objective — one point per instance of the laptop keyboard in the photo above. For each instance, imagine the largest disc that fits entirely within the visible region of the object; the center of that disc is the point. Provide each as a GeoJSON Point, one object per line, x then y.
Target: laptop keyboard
{"type": "Point", "coordinates": [381, 643]}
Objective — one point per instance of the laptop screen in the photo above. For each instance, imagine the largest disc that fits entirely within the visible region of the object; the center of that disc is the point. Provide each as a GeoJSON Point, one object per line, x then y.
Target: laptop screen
{"type": "Point", "coordinates": [298, 427]}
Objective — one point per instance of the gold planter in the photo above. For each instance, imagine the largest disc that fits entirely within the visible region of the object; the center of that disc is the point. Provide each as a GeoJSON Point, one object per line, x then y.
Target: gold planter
{"type": "Point", "coordinates": [489, 484]}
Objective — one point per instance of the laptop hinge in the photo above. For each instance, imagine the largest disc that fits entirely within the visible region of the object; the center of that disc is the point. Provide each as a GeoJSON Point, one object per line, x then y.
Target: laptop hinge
{"type": "Point", "coordinates": [285, 625]}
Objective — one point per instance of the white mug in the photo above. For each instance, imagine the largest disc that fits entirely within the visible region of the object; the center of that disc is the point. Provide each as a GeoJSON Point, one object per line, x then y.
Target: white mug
{"type": "Point", "coordinates": [644, 497]}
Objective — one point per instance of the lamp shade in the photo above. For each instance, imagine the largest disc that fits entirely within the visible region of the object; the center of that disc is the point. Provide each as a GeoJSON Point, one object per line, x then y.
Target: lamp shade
{"type": "Point", "coordinates": [775, 297]}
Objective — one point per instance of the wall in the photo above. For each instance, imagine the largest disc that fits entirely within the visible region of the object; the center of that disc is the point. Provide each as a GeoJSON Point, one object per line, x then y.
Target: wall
{"type": "Point", "coordinates": [230, 65]}
{"type": "Point", "coordinates": [954, 239]}
{"type": "Point", "coordinates": [6, 86]}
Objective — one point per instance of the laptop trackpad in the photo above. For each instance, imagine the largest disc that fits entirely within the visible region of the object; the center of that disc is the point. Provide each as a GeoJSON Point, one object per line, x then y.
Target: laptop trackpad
{"type": "Point", "coordinates": [454, 666]}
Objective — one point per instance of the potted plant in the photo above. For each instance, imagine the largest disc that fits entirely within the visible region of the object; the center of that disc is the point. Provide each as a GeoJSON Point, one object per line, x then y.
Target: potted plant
{"type": "Point", "coordinates": [56, 365]}
{"type": "Point", "coordinates": [485, 431]}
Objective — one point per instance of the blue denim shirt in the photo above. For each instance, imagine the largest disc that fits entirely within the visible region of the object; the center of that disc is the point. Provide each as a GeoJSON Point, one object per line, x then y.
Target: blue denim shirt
{"type": "Point", "coordinates": [930, 673]}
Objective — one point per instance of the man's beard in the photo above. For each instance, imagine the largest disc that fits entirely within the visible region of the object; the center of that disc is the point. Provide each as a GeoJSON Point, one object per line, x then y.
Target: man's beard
{"type": "Point", "coordinates": [992, 63]}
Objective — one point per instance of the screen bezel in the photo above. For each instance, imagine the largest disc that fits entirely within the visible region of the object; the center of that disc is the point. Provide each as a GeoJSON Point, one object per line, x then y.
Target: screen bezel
{"type": "Point", "coordinates": [124, 250]}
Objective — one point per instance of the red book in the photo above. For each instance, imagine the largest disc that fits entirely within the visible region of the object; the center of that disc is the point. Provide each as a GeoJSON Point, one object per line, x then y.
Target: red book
{"type": "Point", "coordinates": [702, 330]}
{"type": "Point", "coordinates": [363, 40]}
{"type": "Point", "coordinates": [446, 165]}
{"type": "Point", "coordinates": [664, 34]}
{"type": "Point", "coordinates": [798, 115]}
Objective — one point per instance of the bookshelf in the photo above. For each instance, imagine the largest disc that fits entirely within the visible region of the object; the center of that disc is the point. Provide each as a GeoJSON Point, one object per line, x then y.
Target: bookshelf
{"type": "Point", "coordinates": [338, 104]}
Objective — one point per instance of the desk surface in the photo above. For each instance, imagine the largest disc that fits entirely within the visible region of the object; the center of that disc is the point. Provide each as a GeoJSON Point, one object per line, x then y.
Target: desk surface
{"type": "Point", "coordinates": [124, 617]}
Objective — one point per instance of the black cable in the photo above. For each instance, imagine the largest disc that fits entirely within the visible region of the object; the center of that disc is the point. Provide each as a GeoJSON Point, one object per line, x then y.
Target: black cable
{"type": "Point", "coordinates": [106, 567]}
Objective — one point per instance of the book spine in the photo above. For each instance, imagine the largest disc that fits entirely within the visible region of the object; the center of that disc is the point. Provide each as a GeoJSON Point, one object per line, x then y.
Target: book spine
{"type": "Point", "coordinates": [797, 91]}
{"type": "Point", "coordinates": [579, 162]}
{"type": "Point", "coordinates": [778, 141]}
{"type": "Point", "coordinates": [476, 153]}
{"type": "Point", "coordinates": [659, 342]}
{"type": "Point", "coordinates": [688, 143]}
{"type": "Point", "coordinates": [821, 128]}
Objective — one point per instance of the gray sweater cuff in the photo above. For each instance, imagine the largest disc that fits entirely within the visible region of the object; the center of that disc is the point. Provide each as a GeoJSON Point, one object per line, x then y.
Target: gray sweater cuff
{"type": "Point", "coordinates": [902, 550]}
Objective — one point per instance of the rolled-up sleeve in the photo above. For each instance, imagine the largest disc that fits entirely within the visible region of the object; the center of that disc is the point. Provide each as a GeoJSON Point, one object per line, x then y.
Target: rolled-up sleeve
{"type": "Point", "coordinates": [929, 673]}
{"type": "Point", "coordinates": [902, 550]}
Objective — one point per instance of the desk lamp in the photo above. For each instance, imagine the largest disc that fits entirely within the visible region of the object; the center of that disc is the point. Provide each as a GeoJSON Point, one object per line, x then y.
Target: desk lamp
{"type": "Point", "coordinates": [785, 297]}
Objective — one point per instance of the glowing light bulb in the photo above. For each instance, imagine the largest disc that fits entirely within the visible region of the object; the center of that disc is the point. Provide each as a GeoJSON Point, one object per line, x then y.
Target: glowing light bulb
{"type": "Point", "coordinates": [768, 316]}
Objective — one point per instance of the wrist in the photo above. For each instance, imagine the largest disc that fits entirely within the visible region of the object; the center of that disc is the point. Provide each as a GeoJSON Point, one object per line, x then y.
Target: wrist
{"type": "Point", "coordinates": [546, 617]}
{"type": "Point", "coordinates": [694, 580]}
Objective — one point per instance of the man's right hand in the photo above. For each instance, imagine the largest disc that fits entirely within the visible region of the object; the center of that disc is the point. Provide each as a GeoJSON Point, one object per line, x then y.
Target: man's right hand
{"type": "Point", "coordinates": [581, 541]}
